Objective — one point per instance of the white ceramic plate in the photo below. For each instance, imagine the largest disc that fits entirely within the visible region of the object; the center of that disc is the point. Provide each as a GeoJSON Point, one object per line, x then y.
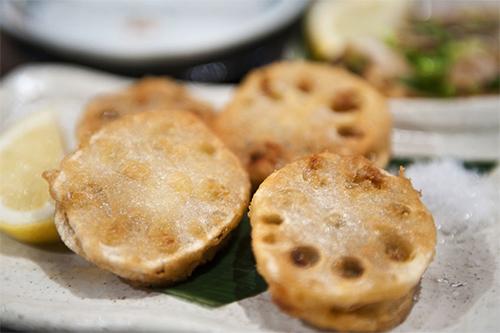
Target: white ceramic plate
{"type": "Point", "coordinates": [57, 290]}
{"type": "Point", "coordinates": [151, 30]}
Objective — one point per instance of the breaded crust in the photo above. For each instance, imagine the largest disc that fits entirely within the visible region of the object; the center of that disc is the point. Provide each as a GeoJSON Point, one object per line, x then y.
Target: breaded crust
{"type": "Point", "coordinates": [145, 94]}
{"type": "Point", "coordinates": [366, 318]}
{"type": "Point", "coordinates": [150, 197]}
{"type": "Point", "coordinates": [292, 109]}
{"type": "Point", "coordinates": [332, 231]}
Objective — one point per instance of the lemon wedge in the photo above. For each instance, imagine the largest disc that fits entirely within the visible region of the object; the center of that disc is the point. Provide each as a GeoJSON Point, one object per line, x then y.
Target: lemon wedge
{"type": "Point", "coordinates": [331, 25]}
{"type": "Point", "coordinates": [26, 150]}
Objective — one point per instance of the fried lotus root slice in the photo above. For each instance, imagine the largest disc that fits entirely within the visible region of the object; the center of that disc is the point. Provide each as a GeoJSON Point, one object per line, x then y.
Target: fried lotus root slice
{"type": "Point", "coordinates": [145, 94]}
{"type": "Point", "coordinates": [292, 109]}
{"type": "Point", "coordinates": [150, 197]}
{"type": "Point", "coordinates": [331, 230]}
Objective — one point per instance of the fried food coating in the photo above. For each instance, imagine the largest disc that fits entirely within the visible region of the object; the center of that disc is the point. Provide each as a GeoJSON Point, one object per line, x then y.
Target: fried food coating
{"type": "Point", "coordinates": [291, 109]}
{"type": "Point", "coordinates": [337, 232]}
{"type": "Point", "coordinates": [365, 318]}
{"type": "Point", "coordinates": [151, 196]}
{"type": "Point", "coordinates": [146, 94]}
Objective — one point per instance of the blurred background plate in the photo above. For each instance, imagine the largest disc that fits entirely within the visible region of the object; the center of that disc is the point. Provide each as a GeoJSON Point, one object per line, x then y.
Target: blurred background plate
{"type": "Point", "coordinates": [129, 31]}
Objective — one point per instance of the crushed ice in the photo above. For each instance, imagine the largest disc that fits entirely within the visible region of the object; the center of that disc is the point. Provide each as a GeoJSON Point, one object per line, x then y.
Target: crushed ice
{"type": "Point", "coordinates": [465, 206]}
{"type": "Point", "coordinates": [459, 199]}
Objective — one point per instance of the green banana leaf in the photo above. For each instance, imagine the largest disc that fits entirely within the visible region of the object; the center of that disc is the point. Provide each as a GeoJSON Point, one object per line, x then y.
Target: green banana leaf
{"type": "Point", "coordinates": [230, 277]}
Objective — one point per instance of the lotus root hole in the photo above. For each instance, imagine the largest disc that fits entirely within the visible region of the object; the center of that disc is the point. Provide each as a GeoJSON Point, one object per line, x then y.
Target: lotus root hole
{"type": "Point", "coordinates": [273, 219]}
{"type": "Point", "coordinates": [397, 248]}
{"type": "Point", "coordinates": [349, 268]}
{"type": "Point", "coordinates": [268, 90]}
{"type": "Point", "coordinates": [305, 85]}
{"type": "Point", "coordinates": [269, 239]}
{"type": "Point", "coordinates": [335, 310]}
{"type": "Point", "coordinates": [256, 156]}
{"type": "Point", "coordinates": [304, 256]}
{"type": "Point", "coordinates": [345, 101]}
{"type": "Point", "coordinates": [207, 148]}
{"type": "Point", "coordinates": [371, 174]}
{"type": "Point", "coordinates": [350, 132]}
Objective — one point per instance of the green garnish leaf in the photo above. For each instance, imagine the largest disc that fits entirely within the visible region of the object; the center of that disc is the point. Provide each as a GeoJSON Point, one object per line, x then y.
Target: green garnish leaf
{"type": "Point", "coordinates": [229, 277]}
{"type": "Point", "coordinates": [432, 48]}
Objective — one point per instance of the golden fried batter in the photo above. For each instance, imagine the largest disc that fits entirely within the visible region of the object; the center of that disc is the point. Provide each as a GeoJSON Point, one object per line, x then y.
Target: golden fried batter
{"type": "Point", "coordinates": [150, 196]}
{"type": "Point", "coordinates": [143, 95]}
{"type": "Point", "coordinates": [292, 109]}
{"type": "Point", "coordinates": [365, 318]}
{"type": "Point", "coordinates": [338, 232]}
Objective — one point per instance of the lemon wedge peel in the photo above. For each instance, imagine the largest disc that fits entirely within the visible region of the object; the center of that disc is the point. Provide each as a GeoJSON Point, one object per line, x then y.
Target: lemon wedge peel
{"type": "Point", "coordinates": [331, 26]}
{"type": "Point", "coordinates": [30, 221]}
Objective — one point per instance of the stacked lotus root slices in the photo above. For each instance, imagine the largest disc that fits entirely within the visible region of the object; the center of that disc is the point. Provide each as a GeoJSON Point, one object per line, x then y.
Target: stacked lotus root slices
{"type": "Point", "coordinates": [151, 192]}
{"type": "Point", "coordinates": [341, 243]}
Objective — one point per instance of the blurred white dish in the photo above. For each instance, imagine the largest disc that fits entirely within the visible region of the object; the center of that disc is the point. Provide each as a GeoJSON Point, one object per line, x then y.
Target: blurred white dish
{"type": "Point", "coordinates": [130, 31]}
